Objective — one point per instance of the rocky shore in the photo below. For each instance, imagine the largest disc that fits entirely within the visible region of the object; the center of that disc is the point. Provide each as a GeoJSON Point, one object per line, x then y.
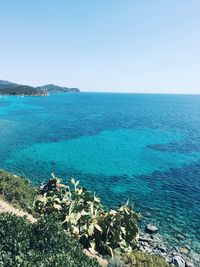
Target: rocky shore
{"type": "Point", "coordinates": [152, 242]}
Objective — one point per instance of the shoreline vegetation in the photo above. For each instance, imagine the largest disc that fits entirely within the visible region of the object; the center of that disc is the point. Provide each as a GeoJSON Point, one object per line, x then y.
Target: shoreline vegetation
{"type": "Point", "coordinates": [9, 88]}
{"type": "Point", "coordinates": [80, 230]}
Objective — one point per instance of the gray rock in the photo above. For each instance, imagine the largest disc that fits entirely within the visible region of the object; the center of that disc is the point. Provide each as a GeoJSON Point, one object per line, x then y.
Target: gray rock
{"type": "Point", "coordinates": [157, 238]}
{"type": "Point", "coordinates": [174, 253]}
{"type": "Point", "coordinates": [151, 229]}
{"type": "Point", "coordinates": [145, 244]}
{"type": "Point", "coordinates": [145, 238]}
{"type": "Point", "coordinates": [168, 259]}
{"type": "Point", "coordinates": [184, 250]}
{"type": "Point", "coordinates": [148, 250]}
{"type": "Point", "coordinates": [162, 248]}
{"type": "Point", "coordinates": [178, 261]}
{"type": "Point", "coordinates": [189, 264]}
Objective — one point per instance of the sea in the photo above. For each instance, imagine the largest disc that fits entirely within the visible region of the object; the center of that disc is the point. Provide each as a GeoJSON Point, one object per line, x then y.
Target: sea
{"type": "Point", "coordinates": [141, 148]}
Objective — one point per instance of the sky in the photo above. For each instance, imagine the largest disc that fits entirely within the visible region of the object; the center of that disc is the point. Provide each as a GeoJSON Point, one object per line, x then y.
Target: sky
{"type": "Point", "coordinates": [142, 46]}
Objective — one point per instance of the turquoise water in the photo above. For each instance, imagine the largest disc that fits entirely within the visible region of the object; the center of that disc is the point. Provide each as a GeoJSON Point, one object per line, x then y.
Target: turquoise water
{"type": "Point", "coordinates": [145, 148]}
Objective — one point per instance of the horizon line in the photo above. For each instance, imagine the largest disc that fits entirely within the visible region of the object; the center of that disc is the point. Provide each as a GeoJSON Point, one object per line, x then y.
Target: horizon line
{"type": "Point", "coordinates": [110, 92]}
{"type": "Point", "coordinates": [143, 93]}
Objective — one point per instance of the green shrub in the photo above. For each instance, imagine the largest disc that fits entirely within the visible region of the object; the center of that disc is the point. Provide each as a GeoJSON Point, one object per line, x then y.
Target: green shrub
{"type": "Point", "coordinates": [43, 244]}
{"type": "Point", "coordinates": [83, 216]}
{"type": "Point", "coordinates": [16, 190]}
{"type": "Point", "coordinates": [115, 262]}
{"type": "Point", "coordinates": [142, 259]}
{"type": "Point", "coordinates": [15, 235]}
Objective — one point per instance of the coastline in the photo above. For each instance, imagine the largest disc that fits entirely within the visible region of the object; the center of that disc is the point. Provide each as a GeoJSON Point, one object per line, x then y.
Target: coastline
{"type": "Point", "coordinates": [22, 95]}
{"type": "Point", "coordinates": [150, 240]}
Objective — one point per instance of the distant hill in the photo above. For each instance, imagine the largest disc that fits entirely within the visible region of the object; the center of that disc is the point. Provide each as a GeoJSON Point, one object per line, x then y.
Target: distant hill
{"type": "Point", "coordinates": [52, 88]}
{"type": "Point", "coordinates": [7, 84]}
{"type": "Point", "coordinates": [22, 90]}
{"type": "Point", "coordinates": [9, 88]}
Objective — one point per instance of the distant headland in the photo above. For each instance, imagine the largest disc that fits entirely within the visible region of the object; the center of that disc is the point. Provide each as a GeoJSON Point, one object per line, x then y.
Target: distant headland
{"type": "Point", "coordinates": [9, 88]}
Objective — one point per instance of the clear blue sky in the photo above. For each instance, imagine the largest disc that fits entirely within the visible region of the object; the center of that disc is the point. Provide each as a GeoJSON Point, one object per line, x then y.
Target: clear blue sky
{"type": "Point", "coordinates": [102, 45]}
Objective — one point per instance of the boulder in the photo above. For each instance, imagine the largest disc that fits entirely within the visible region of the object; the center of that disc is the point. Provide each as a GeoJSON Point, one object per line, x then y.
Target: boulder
{"type": "Point", "coordinates": [145, 244]}
{"type": "Point", "coordinates": [157, 238]}
{"type": "Point", "coordinates": [148, 250]}
{"type": "Point", "coordinates": [145, 238]}
{"type": "Point", "coordinates": [151, 229]}
{"type": "Point", "coordinates": [189, 264]}
{"type": "Point", "coordinates": [184, 250]}
{"type": "Point", "coordinates": [178, 261]}
{"type": "Point", "coordinates": [162, 248]}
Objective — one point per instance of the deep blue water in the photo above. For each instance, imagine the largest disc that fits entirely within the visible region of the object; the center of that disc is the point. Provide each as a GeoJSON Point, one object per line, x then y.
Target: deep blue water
{"type": "Point", "coordinates": [145, 148]}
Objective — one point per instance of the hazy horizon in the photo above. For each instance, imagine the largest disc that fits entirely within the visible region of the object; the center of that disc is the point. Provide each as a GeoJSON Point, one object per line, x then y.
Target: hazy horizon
{"type": "Point", "coordinates": [102, 46]}
{"type": "Point", "coordinates": [116, 92]}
